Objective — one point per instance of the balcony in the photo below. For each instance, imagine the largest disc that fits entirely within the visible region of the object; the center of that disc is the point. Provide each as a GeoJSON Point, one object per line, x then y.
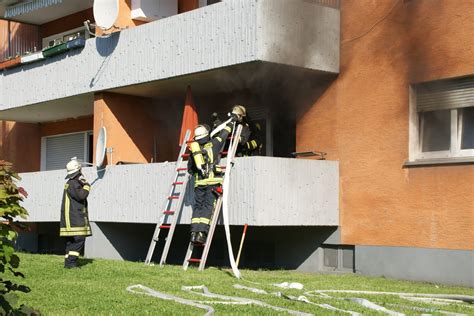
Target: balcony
{"type": "Point", "coordinates": [247, 40]}
{"type": "Point", "coordinates": [264, 192]}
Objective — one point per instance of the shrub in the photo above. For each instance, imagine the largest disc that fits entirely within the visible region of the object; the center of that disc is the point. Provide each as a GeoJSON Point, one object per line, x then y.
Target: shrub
{"type": "Point", "coordinates": [10, 208]}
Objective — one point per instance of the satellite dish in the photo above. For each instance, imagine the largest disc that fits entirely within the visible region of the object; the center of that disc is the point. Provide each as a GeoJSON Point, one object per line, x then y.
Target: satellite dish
{"type": "Point", "coordinates": [105, 13]}
{"type": "Point", "coordinates": [100, 147]}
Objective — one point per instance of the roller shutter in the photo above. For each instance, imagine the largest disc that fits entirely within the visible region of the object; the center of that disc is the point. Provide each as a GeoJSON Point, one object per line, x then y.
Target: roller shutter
{"type": "Point", "coordinates": [60, 149]}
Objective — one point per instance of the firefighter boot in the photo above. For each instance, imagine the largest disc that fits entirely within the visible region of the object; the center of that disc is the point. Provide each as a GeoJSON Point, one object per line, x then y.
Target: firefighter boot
{"type": "Point", "coordinates": [193, 237]}
{"type": "Point", "coordinates": [201, 238]}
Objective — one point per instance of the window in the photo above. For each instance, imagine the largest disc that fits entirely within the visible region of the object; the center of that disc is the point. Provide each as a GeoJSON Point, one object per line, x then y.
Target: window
{"type": "Point", "coordinates": [338, 258]}
{"type": "Point", "coordinates": [65, 36]}
{"type": "Point", "coordinates": [56, 151]}
{"type": "Point", "coordinates": [442, 119]}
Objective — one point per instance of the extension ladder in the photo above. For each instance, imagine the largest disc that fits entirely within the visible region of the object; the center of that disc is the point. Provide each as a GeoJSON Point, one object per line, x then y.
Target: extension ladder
{"type": "Point", "coordinates": [172, 206]}
{"type": "Point", "coordinates": [216, 212]}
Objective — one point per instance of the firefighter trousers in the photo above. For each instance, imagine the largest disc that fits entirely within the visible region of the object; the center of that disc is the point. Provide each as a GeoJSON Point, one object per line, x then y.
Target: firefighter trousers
{"type": "Point", "coordinates": [74, 246]}
{"type": "Point", "coordinates": [204, 201]}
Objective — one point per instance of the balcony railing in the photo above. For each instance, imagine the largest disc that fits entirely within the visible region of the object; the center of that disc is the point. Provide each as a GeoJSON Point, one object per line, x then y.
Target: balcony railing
{"type": "Point", "coordinates": [265, 191]}
{"type": "Point", "coordinates": [329, 3]}
{"type": "Point", "coordinates": [297, 33]}
{"type": "Point", "coordinates": [18, 39]}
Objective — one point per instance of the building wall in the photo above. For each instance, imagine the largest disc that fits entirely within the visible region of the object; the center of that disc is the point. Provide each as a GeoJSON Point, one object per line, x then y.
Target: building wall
{"type": "Point", "coordinates": [130, 129]}
{"type": "Point", "coordinates": [20, 144]}
{"type": "Point", "coordinates": [187, 5]}
{"type": "Point", "coordinates": [66, 23]}
{"type": "Point", "coordinates": [362, 120]}
{"type": "Point", "coordinates": [124, 19]}
{"type": "Point", "coordinates": [67, 126]}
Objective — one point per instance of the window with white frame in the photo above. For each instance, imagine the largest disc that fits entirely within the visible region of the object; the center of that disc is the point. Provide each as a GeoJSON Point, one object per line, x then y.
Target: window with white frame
{"type": "Point", "coordinates": [442, 119]}
{"type": "Point", "coordinates": [57, 150]}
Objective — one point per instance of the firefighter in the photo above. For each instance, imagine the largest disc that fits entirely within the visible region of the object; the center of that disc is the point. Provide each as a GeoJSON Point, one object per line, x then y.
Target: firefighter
{"type": "Point", "coordinates": [205, 154]}
{"type": "Point", "coordinates": [74, 225]}
{"type": "Point", "coordinates": [250, 143]}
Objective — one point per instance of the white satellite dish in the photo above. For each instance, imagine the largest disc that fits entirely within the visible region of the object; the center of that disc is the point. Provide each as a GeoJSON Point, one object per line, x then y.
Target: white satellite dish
{"type": "Point", "coordinates": [100, 147]}
{"type": "Point", "coordinates": [105, 13]}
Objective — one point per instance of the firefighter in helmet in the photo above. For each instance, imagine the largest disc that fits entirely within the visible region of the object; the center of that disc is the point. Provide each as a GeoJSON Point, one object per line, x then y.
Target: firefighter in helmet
{"type": "Point", "coordinates": [205, 154]}
{"type": "Point", "coordinates": [250, 143]}
{"type": "Point", "coordinates": [74, 224]}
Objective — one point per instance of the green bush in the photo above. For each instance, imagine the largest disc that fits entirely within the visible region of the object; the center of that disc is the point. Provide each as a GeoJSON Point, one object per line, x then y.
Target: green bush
{"type": "Point", "coordinates": [10, 208]}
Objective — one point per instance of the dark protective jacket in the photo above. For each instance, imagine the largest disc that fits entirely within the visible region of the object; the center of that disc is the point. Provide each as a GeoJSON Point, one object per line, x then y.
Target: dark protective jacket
{"type": "Point", "coordinates": [74, 216]}
{"type": "Point", "coordinates": [250, 139]}
{"type": "Point", "coordinates": [204, 158]}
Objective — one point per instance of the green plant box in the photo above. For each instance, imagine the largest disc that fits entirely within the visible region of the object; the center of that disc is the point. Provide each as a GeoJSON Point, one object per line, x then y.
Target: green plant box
{"type": "Point", "coordinates": [55, 50]}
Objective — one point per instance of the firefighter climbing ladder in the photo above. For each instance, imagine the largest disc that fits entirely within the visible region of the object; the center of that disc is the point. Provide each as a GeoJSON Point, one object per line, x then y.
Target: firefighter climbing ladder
{"type": "Point", "coordinates": [171, 209]}
{"type": "Point", "coordinates": [217, 210]}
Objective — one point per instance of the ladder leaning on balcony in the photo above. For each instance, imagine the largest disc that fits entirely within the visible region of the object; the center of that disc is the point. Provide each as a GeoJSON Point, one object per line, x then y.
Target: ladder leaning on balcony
{"type": "Point", "coordinates": [216, 212]}
{"type": "Point", "coordinates": [172, 206]}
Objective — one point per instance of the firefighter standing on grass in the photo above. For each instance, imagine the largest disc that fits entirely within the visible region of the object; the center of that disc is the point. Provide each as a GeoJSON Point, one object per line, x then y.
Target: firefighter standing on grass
{"type": "Point", "coordinates": [202, 165]}
{"type": "Point", "coordinates": [74, 225]}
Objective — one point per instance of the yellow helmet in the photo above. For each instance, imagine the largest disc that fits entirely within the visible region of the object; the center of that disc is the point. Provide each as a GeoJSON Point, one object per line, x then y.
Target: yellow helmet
{"type": "Point", "coordinates": [239, 110]}
{"type": "Point", "coordinates": [200, 132]}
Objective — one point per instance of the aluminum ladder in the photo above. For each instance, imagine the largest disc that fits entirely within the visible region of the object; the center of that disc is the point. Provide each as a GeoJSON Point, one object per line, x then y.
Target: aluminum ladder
{"type": "Point", "coordinates": [215, 214]}
{"type": "Point", "coordinates": [172, 205]}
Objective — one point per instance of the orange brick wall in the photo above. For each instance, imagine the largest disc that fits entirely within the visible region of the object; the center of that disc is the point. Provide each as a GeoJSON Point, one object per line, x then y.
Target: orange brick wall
{"type": "Point", "coordinates": [20, 144]}
{"type": "Point", "coordinates": [66, 23]}
{"type": "Point", "coordinates": [130, 130]}
{"type": "Point", "coordinates": [362, 121]}
{"type": "Point", "coordinates": [187, 5]}
{"type": "Point", "coordinates": [67, 126]}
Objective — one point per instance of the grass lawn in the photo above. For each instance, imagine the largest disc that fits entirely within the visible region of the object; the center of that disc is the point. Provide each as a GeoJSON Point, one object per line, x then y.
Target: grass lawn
{"type": "Point", "coordinates": [99, 288]}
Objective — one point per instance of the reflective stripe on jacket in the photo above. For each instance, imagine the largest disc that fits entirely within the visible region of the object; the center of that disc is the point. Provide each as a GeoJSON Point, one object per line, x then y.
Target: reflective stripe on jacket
{"type": "Point", "coordinates": [74, 216]}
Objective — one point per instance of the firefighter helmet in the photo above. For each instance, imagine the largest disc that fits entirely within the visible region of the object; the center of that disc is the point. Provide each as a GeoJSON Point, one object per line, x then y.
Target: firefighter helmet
{"type": "Point", "coordinates": [200, 132]}
{"type": "Point", "coordinates": [73, 166]}
{"type": "Point", "coordinates": [239, 110]}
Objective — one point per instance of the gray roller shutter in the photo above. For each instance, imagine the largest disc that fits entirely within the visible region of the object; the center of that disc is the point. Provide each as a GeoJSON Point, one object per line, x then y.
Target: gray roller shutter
{"type": "Point", "coordinates": [60, 149]}
{"type": "Point", "coordinates": [445, 94]}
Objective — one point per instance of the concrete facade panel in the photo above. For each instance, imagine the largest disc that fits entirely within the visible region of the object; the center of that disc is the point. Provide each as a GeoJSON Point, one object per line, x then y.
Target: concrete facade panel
{"type": "Point", "coordinates": [216, 36]}
{"type": "Point", "coordinates": [135, 193]}
{"type": "Point", "coordinates": [299, 33]}
{"type": "Point", "coordinates": [455, 267]}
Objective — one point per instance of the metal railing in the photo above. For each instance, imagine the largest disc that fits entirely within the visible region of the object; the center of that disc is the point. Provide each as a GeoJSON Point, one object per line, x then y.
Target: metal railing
{"type": "Point", "coordinates": [329, 3]}
{"type": "Point", "coordinates": [18, 39]}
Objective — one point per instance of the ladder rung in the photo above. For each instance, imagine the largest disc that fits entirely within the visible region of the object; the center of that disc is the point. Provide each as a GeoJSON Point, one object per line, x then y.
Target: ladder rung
{"type": "Point", "coordinates": [168, 212]}
{"type": "Point", "coordinates": [185, 155]}
{"type": "Point", "coordinates": [182, 169]}
{"type": "Point", "coordinates": [224, 152]}
{"type": "Point", "coordinates": [178, 183]}
{"type": "Point", "coordinates": [222, 167]}
{"type": "Point", "coordinates": [194, 260]}
{"type": "Point", "coordinates": [165, 226]}
{"type": "Point", "coordinates": [173, 197]}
